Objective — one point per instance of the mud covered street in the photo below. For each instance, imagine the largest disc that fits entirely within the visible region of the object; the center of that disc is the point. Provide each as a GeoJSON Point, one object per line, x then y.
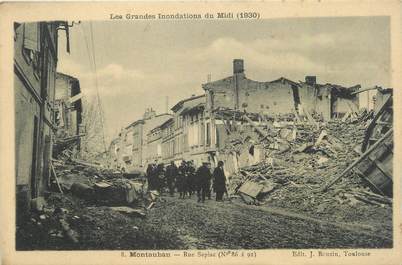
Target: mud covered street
{"type": "Point", "coordinates": [185, 224]}
{"type": "Point", "coordinates": [233, 225]}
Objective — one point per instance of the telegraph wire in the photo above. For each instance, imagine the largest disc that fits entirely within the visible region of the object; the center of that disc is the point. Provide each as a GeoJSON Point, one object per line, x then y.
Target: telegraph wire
{"type": "Point", "coordinates": [96, 85]}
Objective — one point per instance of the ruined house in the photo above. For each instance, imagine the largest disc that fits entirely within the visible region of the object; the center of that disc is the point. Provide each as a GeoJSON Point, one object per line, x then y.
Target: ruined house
{"type": "Point", "coordinates": [113, 153]}
{"type": "Point", "coordinates": [68, 113]}
{"type": "Point", "coordinates": [238, 92]}
{"type": "Point", "coordinates": [35, 60]}
{"type": "Point", "coordinates": [280, 96]}
{"type": "Point", "coordinates": [328, 100]}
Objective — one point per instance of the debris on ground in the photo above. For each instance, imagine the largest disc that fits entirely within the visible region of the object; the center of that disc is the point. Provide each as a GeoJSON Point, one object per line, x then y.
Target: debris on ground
{"type": "Point", "coordinates": [292, 177]}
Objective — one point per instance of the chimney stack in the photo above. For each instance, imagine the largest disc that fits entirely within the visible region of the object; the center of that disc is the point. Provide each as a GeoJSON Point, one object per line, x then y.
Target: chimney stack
{"type": "Point", "coordinates": [311, 80]}
{"type": "Point", "coordinates": [238, 66]}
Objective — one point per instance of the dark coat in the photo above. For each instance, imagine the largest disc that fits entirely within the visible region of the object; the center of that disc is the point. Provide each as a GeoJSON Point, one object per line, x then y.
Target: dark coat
{"type": "Point", "coordinates": [204, 177]}
{"type": "Point", "coordinates": [219, 180]}
{"type": "Point", "coordinates": [191, 178]}
{"type": "Point", "coordinates": [181, 181]}
{"type": "Point", "coordinates": [151, 176]}
{"type": "Point", "coordinates": [171, 173]}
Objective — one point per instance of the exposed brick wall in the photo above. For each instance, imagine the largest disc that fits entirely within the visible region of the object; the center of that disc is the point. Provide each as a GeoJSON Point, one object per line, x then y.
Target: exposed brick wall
{"type": "Point", "coordinates": [268, 97]}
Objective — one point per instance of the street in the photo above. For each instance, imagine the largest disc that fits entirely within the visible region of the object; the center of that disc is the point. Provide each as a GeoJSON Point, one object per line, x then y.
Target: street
{"type": "Point", "coordinates": [186, 224]}
{"type": "Point", "coordinates": [235, 225]}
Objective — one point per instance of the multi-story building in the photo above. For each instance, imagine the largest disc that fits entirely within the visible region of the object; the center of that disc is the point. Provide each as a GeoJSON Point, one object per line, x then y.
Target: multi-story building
{"type": "Point", "coordinates": [183, 137]}
{"type": "Point", "coordinates": [168, 141]}
{"type": "Point", "coordinates": [154, 146]}
{"type": "Point", "coordinates": [191, 115]}
{"type": "Point", "coordinates": [133, 144]}
{"type": "Point", "coordinates": [35, 60]}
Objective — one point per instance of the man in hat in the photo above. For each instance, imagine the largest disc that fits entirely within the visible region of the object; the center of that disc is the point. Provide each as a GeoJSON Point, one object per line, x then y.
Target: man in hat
{"type": "Point", "coordinates": [191, 178]}
{"type": "Point", "coordinates": [204, 181]}
{"type": "Point", "coordinates": [219, 181]}
{"type": "Point", "coordinates": [181, 182]}
{"type": "Point", "coordinates": [171, 174]}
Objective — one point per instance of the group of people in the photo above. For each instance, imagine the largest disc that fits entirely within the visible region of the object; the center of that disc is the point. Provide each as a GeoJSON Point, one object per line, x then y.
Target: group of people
{"type": "Point", "coordinates": [187, 181]}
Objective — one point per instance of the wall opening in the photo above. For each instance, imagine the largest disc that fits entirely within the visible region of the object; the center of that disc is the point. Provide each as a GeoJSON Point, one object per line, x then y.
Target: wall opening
{"type": "Point", "coordinates": [296, 96]}
{"type": "Point", "coordinates": [34, 158]}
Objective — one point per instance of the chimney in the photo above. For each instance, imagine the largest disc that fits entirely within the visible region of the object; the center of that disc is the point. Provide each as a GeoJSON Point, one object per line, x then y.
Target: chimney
{"type": "Point", "coordinates": [238, 66]}
{"type": "Point", "coordinates": [311, 80]}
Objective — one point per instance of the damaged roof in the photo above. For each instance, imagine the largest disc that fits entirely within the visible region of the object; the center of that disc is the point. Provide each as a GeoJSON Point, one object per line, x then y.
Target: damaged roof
{"type": "Point", "coordinates": [341, 91]}
{"type": "Point", "coordinates": [188, 102]}
{"type": "Point", "coordinates": [230, 78]}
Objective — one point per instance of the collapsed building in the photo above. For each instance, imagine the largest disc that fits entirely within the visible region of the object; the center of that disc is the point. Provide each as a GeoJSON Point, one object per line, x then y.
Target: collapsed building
{"type": "Point", "coordinates": [199, 128]}
{"type": "Point", "coordinates": [243, 122]}
{"type": "Point", "coordinates": [280, 96]}
{"type": "Point", "coordinates": [68, 115]}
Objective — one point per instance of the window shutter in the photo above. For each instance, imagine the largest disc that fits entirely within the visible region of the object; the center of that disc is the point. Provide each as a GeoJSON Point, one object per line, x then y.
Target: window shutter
{"type": "Point", "coordinates": [31, 36]}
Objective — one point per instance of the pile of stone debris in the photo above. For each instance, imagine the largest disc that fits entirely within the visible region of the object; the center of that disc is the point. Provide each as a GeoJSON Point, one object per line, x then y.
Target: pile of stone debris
{"type": "Point", "coordinates": [82, 193]}
{"type": "Point", "coordinates": [300, 158]}
{"type": "Point", "coordinates": [102, 186]}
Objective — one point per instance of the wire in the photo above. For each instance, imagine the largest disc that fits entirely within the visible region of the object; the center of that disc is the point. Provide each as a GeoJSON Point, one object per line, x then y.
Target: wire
{"type": "Point", "coordinates": [96, 85]}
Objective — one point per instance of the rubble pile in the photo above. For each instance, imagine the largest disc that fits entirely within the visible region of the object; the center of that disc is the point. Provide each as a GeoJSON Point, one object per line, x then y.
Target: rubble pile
{"type": "Point", "coordinates": [84, 209]}
{"type": "Point", "coordinates": [300, 158]}
{"type": "Point", "coordinates": [106, 187]}
{"type": "Point", "coordinates": [66, 222]}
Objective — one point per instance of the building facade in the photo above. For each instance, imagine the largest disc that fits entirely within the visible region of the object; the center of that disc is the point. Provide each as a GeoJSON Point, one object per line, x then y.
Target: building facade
{"type": "Point", "coordinates": [133, 144]}
{"type": "Point", "coordinates": [35, 60]}
{"type": "Point", "coordinates": [154, 146]}
{"type": "Point", "coordinates": [184, 136]}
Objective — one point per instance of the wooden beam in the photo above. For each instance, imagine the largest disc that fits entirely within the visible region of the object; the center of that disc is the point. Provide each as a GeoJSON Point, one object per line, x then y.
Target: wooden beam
{"type": "Point", "coordinates": [55, 176]}
{"type": "Point", "coordinates": [363, 156]}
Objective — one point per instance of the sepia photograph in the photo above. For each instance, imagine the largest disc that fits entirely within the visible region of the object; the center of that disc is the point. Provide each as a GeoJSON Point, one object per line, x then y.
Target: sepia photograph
{"type": "Point", "coordinates": [173, 133]}
{"type": "Point", "coordinates": [158, 135]}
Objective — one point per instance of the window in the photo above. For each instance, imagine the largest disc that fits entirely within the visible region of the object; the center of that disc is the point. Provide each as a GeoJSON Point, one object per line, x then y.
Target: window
{"type": "Point", "coordinates": [208, 134]}
{"type": "Point", "coordinates": [31, 46]}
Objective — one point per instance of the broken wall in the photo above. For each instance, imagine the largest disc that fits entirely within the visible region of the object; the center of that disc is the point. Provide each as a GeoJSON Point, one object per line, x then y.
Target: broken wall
{"type": "Point", "coordinates": [266, 97]}
{"type": "Point", "coordinates": [342, 105]}
{"type": "Point", "coordinates": [316, 99]}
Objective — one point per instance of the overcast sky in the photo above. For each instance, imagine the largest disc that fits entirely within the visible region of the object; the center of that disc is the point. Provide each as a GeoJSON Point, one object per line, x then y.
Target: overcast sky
{"type": "Point", "coordinates": [139, 63]}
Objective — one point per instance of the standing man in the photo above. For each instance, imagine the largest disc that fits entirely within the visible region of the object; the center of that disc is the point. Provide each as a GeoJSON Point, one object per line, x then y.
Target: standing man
{"type": "Point", "coordinates": [160, 177]}
{"type": "Point", "coordinates": [171, 174]}
{"type": "Point", "coordinates": [219, 181]}
{"type": "Point", "coordinates": [182, 180]}
{"type": "Point", "coordinates": [204, 179]}
{"type": "Point", "coordinates": [190, 178]}
{"type": "Point", "coordinates": [150, 176]}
